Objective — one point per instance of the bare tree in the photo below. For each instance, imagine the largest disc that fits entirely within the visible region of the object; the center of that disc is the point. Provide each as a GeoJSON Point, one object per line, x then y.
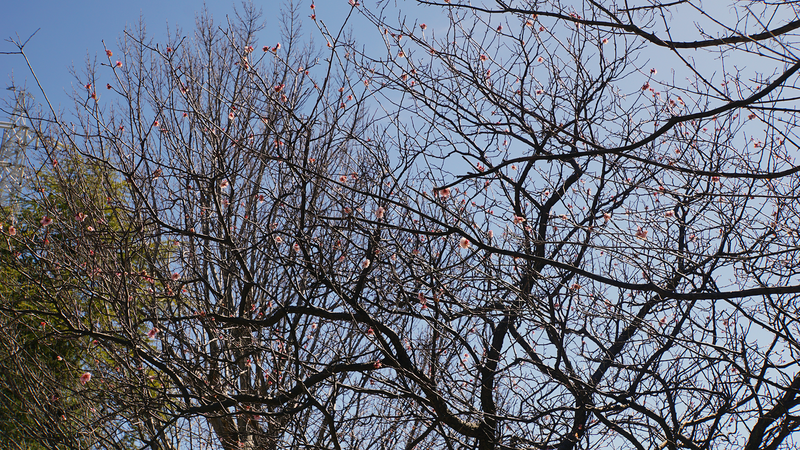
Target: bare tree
{"type": "Point", "coordinates": [191, 229]}
{"type": "Point", "coordinates": [629, 272]}
{"type": "Point", "coordinates": [531, 239]}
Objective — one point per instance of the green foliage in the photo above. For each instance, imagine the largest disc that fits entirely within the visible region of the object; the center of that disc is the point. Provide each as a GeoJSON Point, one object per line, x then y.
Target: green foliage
{"type": "Point", "coordinates": [37, 376]}
{"type": "Point", "coordinates": [46, 264]}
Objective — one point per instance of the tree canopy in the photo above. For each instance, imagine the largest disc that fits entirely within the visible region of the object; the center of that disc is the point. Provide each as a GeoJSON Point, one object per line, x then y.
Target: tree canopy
{"type": "Point", "coordinates": [529, 225]}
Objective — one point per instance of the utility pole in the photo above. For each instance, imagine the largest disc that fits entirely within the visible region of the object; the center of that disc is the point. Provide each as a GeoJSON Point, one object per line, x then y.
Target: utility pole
{"type": "Point", "coordinates": [16, 139]}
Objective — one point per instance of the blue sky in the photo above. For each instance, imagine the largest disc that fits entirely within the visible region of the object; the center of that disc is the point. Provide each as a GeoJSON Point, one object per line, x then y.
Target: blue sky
{"type": "Point", "coordinates": [71, 31]}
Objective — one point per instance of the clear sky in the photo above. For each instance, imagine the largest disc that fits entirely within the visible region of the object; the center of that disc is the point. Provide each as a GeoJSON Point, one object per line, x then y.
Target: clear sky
{"type": "Point", "coordinates": [71, 31]}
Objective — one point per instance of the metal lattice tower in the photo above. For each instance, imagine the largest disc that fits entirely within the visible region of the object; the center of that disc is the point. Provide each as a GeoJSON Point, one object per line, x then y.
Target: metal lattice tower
{"type": "Point", "coordinates": [16, 139]}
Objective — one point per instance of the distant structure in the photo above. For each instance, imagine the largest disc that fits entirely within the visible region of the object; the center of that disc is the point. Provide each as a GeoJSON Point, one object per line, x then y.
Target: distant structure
{"type": "Point", "coordinates": [16, 139]}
